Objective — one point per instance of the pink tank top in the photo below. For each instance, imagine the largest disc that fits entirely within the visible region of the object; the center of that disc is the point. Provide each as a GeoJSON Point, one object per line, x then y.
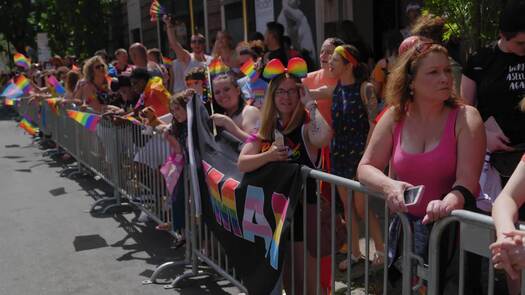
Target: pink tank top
{"type": "Point", "coordinates": [435, 169]}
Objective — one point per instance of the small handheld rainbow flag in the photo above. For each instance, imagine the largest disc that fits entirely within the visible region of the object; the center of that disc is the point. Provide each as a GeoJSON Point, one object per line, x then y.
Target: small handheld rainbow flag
{"type": "Point", "coordinates": [53, 104]}
{"type": "Point", "coordinates": [55, 85]}
{"type": "Point", "coordinates": [248, 69]}
{"type": "Point", "coordinates": [9, 102]}
{"type": "Point", "coordinates": [167, 60]}
{"type": "Point", "coordinates": [23, 84]}
{"type": "Point", "coordinates": [22, 61]}
{"type": "Point", "coordinates": [87, 120]}
{"type": "Point", "coordinates": [156, 11]}
{"type": "Point", "coordinates": [217, 67]}
{"type": "Point", "coordinates": [11, 90]}
{"type": "Point", "coordinates": [133, 120]}
{"type": "Point", "coordinates": [28, 127]}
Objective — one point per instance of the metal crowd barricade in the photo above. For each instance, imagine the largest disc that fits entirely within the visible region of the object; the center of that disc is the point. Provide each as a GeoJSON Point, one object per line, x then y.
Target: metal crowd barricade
{"type": "Point", "coordinates": [477, 232]}
{"type": "Point", "coordinates": [128, 158]}
{"type": "Point", "coordinates": [407, 255]}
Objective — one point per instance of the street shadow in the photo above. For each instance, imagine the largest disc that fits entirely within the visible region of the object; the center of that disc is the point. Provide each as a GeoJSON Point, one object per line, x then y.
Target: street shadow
{"type": "Point", "coordinates": [89, 242]}
{"type": "Point", "coordinates": [23, 170]}
{"type": "Point", "coordinates": [12, 157]}
{"type": "Point", "coordinates": [57, 192]}
{"type": "Point", "coordinates": [9, 146]}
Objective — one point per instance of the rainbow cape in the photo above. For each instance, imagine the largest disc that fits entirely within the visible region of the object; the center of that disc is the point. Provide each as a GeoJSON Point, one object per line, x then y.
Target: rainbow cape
{"type": "Point", "coordinates": [22, 61]}
{"type": "Point", "coordinates": [87, 120]}
{"type": "Point", "coordinates": [28, 127]}
{"type": "Point", "coordinates": [55, 86]}
{"type": "Point", "coordinates": [217, 67]}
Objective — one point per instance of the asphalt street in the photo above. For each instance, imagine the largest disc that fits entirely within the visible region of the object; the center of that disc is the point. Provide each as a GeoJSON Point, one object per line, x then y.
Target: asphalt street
{"type": "Point", "coordinates": [52, 245]}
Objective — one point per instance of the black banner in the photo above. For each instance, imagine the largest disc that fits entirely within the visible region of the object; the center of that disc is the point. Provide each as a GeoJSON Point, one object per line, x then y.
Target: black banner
{"type": "Point", "coordinates": [250, 214]}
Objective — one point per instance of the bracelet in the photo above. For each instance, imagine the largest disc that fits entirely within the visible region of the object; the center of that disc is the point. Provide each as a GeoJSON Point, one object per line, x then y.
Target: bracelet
{"type": "Point", "coordinates": [311, 105]}
{"type": "Point", "coordinates": [468, 197]}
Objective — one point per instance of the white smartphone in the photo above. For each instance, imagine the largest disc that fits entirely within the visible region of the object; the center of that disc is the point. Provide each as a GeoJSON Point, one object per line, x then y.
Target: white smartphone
{"type": "Point", "coordinates": [413, 194]}
{"type": "Point", "coordinates": [279, 138]}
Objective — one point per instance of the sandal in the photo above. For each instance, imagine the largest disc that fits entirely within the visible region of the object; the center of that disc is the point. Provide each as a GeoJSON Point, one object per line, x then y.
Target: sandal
{"type": "Point", "coordinates": [379, 258]}
{"type": "Point", "coordinates": [163, 226]}
{"type": "Point", "coordinates": [343, 265]}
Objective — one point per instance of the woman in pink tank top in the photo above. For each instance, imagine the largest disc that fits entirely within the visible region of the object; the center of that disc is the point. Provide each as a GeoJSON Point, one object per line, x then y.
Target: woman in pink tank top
{"type": "Point", "coordinates": [430, 138]}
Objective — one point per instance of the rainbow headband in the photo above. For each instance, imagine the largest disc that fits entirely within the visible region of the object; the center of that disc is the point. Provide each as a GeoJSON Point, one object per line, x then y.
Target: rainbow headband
{"type": "Point", "coordinates": [296, 67]}
{"type": "Point", "coordinates": [346, 55]}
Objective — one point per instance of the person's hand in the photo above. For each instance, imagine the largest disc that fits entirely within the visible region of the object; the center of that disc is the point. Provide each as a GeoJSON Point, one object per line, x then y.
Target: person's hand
{"type": "Point", "coordinates": [436, 210]}
{"type": "Point", "coordinates": [497, 141]}
{"type": "Point", "coordinates": [167, 20]}
{"type": "Point", "coordinates": [508, 253]}
{"type": "Point", "coordinates": [223, 121]}
{"type": "Point", "coordinates": [277, 153]}
{"type": "Point", "coordinates": [189, 93]}
{"type": "Point", "coordinates": [306, 97]}
{"type": "Point", "coordinates": [394, 194]}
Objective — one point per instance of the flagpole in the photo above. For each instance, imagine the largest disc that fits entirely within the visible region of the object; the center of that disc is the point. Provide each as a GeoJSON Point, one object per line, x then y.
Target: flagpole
{"type": "Point", "coordinates": [192, 20]}
{"type": "Point", "coordinates": [159, 43]}
{"type": "Point", "coordinates": [245, 19]}
{"type": "Point", "coordinates": [210, 90]}
{"type": "Point", "coordinates": [205, 10]}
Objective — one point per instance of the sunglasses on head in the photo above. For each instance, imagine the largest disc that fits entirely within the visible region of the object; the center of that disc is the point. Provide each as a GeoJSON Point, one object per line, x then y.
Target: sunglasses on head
{"type": "Point", "coordinates": [98, 67]}
{"type": "Point", "coordinates": [198, 41]}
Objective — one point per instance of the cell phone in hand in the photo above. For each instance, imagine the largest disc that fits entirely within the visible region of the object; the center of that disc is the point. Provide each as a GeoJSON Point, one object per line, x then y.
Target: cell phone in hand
{"type": "Point", "coordinates": [412, 195]}
{"type": "Point", "coordinates": [279, 138]}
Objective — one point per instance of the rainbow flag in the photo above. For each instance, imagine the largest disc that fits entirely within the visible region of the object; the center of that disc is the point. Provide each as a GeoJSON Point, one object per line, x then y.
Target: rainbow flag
{"type": "Point", "coordinates": [217, 67]}
{"type": "Point", "coordinates": [156, 11]}
{"type": "Point", "coordinates": [9, 102]}
{"type": "Point", "coordinates": [28, 127]}
{"type": "Point", "coordinates": [133, 120]}
{"type": "Point", "coordinates": [87, 120]}
{"type": "Point", "coordinates": [23, 84]}
{"type": "Point", "coordinates": [167, 60]}
{"type": "Point", "coordinates": [22, 61]}
{"type": "Point", "coordinates": [11, 90]}
{"type": "Point", "coordinates": [248, 69]}
{"type": "Point", "coordinates": [53, 104]}
{"type": "Point", "coordinates": [56, 87]}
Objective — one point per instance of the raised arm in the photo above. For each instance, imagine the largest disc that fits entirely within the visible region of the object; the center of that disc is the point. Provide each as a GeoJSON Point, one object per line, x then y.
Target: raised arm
{"type": "Point", "coordinates": [318, 132]}
{"type": "Point", "coordinates": [182, 54]}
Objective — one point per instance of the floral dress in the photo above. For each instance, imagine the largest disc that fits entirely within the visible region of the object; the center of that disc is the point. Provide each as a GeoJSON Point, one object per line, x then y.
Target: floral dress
{"type": "Point", "coordinates": [350, 126]}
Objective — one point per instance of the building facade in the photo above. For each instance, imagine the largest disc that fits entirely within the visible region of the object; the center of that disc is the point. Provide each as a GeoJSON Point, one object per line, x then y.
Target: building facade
{"type": "Point", "coordinates": [307, 22]}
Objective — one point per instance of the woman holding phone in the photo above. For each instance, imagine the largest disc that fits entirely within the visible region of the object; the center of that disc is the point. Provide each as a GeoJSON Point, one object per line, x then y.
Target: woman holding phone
{"type": "Point", "coordinates": [430, 138]}
{"type": "Point", "coordinates": [287, 135]}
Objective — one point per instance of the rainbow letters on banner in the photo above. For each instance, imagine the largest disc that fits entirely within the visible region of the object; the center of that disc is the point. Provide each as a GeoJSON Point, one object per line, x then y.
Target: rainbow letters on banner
{"type": "Point", "coordinates": [249, 213]}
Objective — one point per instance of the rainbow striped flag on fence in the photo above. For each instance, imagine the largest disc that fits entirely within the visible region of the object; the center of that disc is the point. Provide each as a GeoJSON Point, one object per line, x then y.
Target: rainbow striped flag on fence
{"type": "Point", "coordinates": [28, 127]}
{"type": "Point", "coordinates": [87, 120]}
{"type": "Point", "coordinates": [53, 104]}
{"type": "Point", "coordinates": [9, 102]}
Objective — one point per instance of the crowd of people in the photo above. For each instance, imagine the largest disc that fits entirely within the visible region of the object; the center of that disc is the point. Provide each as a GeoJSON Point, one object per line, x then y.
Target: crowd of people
{"type": "Point", "coordinates": [417, 117]}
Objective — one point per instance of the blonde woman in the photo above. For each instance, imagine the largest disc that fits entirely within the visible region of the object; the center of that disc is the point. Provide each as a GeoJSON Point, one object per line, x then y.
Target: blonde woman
{"type": "Point", "coordinates": [284, 116]}
{"type": "Point", "coordinates": [93, 89]}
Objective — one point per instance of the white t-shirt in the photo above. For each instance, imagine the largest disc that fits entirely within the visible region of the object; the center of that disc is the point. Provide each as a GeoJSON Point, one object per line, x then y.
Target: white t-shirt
{"type": "Point", "coordinates": [179, 72]}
